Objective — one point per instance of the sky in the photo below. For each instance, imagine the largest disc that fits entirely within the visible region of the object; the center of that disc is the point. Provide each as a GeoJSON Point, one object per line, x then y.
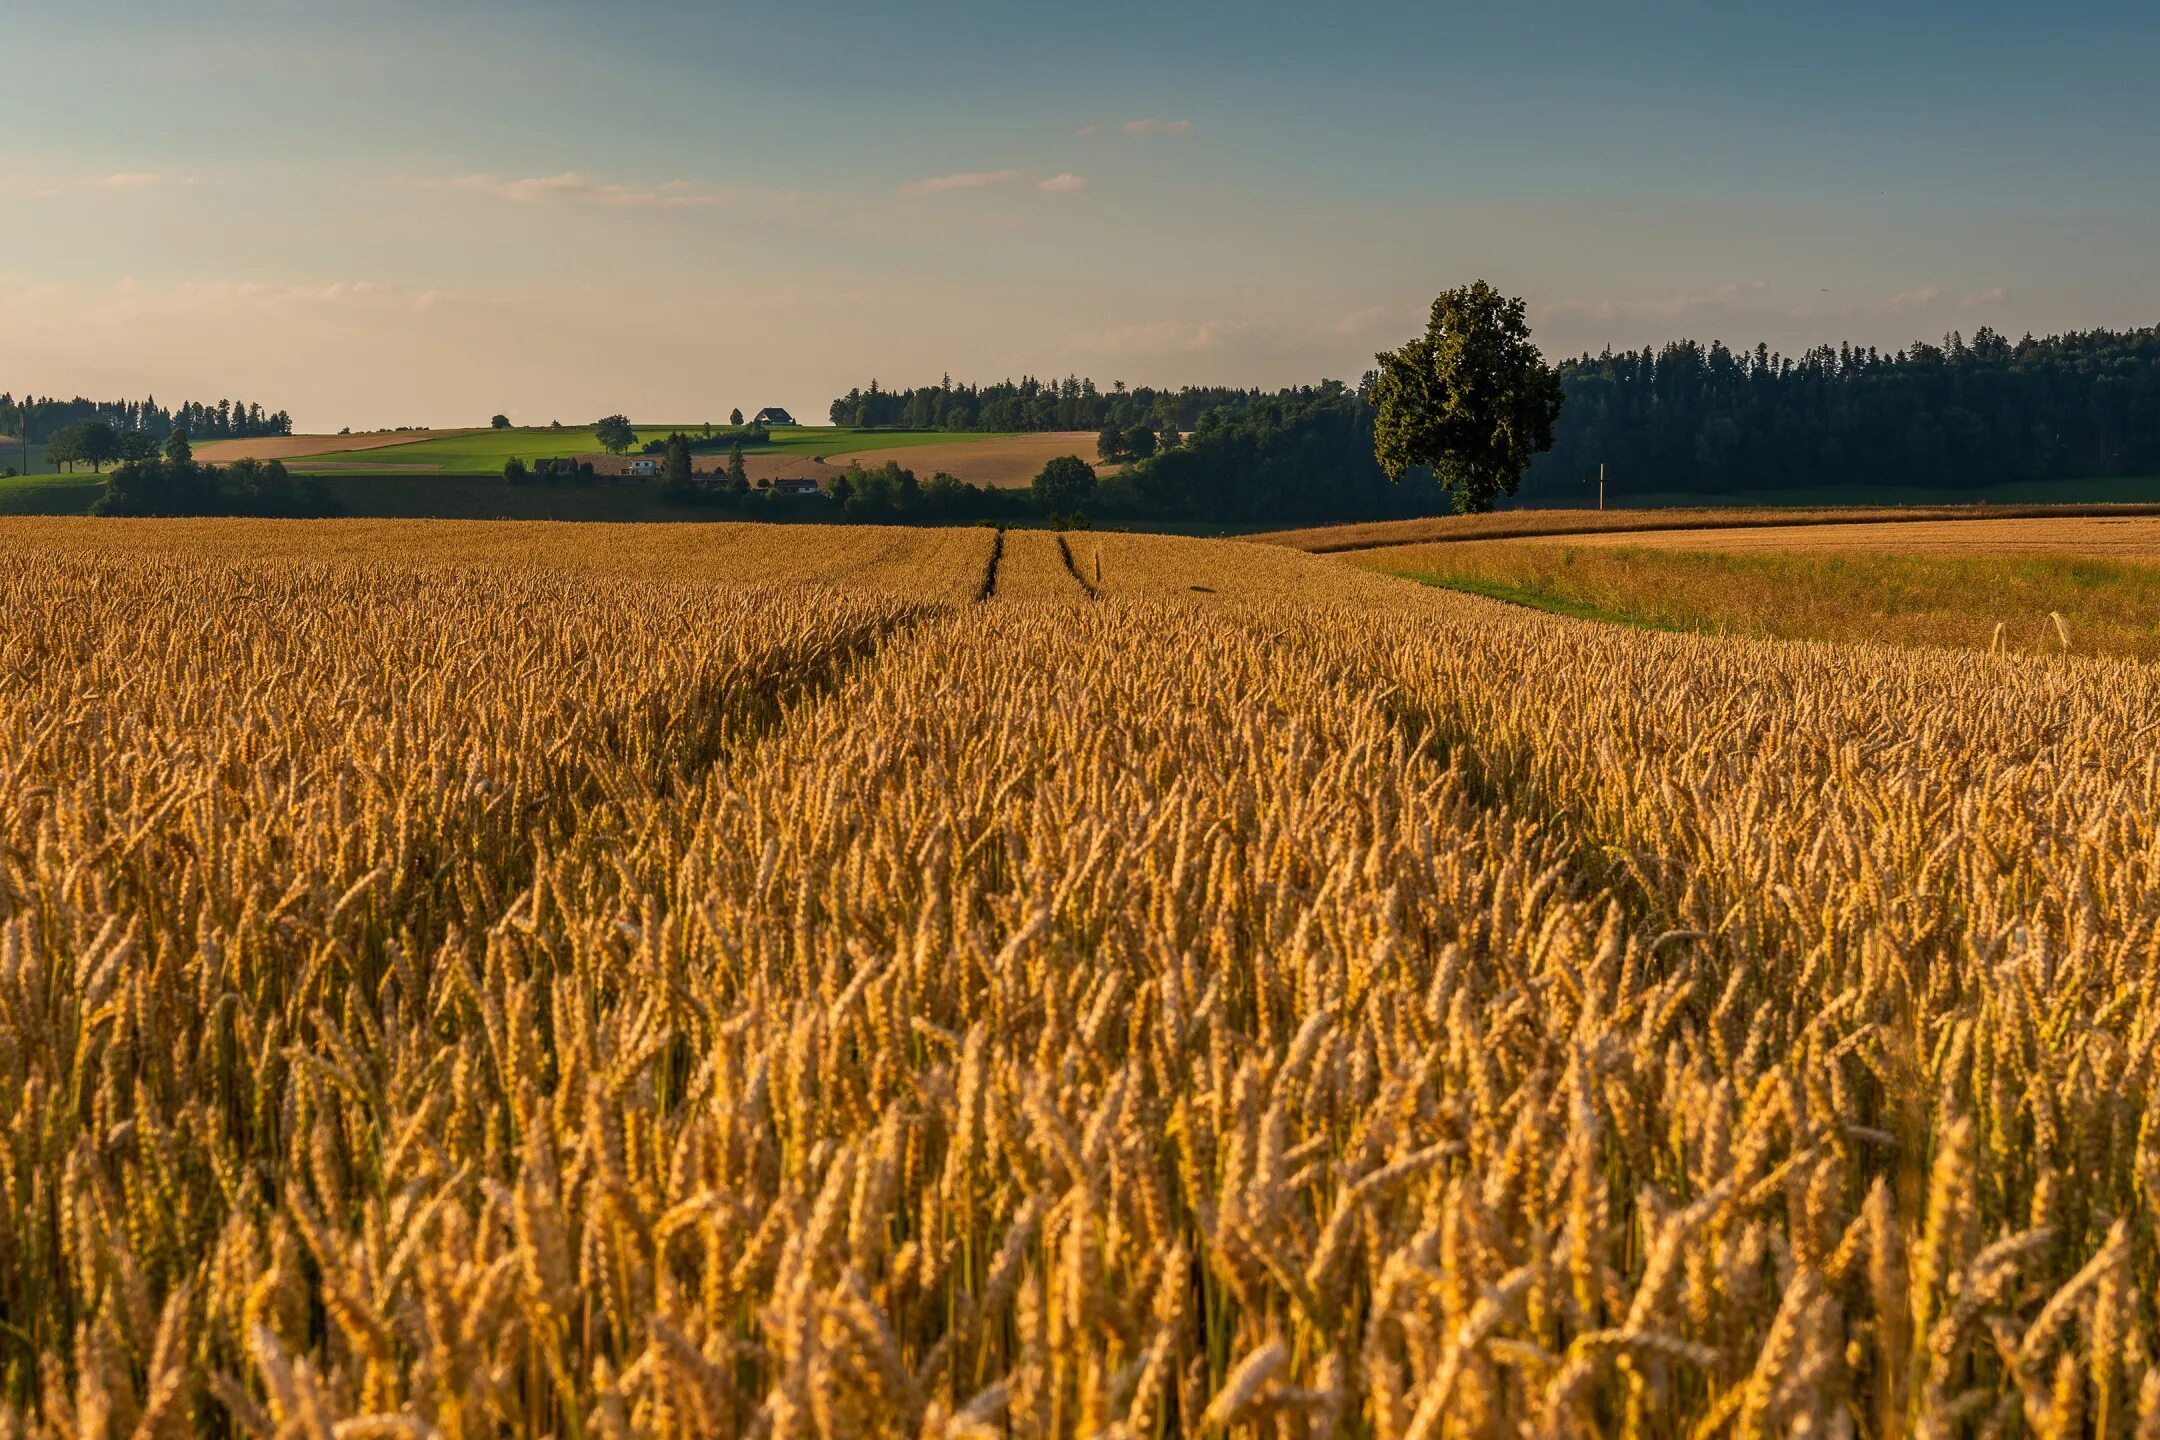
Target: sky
{"type": "Point", "coordinates": [421, 212]}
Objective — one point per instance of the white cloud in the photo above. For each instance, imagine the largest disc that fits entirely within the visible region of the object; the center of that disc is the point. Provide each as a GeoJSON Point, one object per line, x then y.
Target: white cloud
{"type": "Point", "coordinates": [1905, 300]}
{"type": "Point", "coordinates": [1090, 128]}
{"type": "Point", "coordinates": [970, 180]}
{"type": "Point", "coordinates": [578, 188]}
{"type": "Point", "coordinates": [277, 297]}
{"type": "Point", "coordinates": [1993, 295]}
{"type": "Point", "coordinates": [1065, 184]}
{"type": "Point", "coordinates": [1367, 321]}
{"type": "Point", "coordinates": [118, 180]}
{"type": "Point", "coordinates": [1670, 307]}
{"type": "Point", "coordinates": [1158, 127]}
{"type": "Point", "coordinates": [1168, 337]}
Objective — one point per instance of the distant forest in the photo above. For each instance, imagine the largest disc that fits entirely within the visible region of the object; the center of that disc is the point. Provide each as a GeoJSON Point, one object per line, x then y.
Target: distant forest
{"type": "Point", "coordinates": [1688, 417]}
{"type": "Point", "coordinates": [1030, 405]}
{"type": "Point", "coordinates": [1965, 413]}
{"type": "Point", "coordinates": [225, 420]}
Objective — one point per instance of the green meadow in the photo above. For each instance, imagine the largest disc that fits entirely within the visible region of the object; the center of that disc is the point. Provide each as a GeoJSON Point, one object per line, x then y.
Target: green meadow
{"type": "Point", "coordinates": [484, 451]}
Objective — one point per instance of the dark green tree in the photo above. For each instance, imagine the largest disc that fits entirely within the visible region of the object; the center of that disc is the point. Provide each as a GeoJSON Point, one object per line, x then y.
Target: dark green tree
{"type": "Point", "coordinates": [1064, 484]}
{"type": "Point", "coordinates": [675, 463]}
{"type": "Point", "coordinates": [735, 418]}
{"type": "Point", "coordinates": [738, 477]}
{"type": "Point", "coordinates": [135, 445]}
{"type": "Point", "coordinates": [1472, 398]}
{"type": "Point", "coordinates": [177, 449]}
{"type": "Point", "coordinates": [500, 422]}
{"type": "Point", "coordinates": [1110, 445]}
{"type": "Point", "coordinates": [99, 444]}
{"type": "Point", "coordinates": [91, 442]}
{"type": "Point", "coordinates": [1140, 442]}
{"type": "Point", "coordinates": [64, 447]}
{"type": "Point", "coordinates": [514, 470]}
{"type": "Point", "coordinates": [615, 434]}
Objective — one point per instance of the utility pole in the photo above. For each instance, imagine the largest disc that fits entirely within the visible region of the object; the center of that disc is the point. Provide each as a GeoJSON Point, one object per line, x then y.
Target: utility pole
{"type": "Point", "coordinates": [1600, 484]}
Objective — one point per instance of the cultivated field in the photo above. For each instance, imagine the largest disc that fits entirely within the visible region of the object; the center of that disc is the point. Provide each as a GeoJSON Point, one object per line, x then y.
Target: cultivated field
{"type": "Point", "coordinates": [536, 980]}
{"type": "Point", "coordinates": [1524, 524]}
{"type": "Point", "coordinates": [791, 451]}
{"type": "Point", "coordinates": [1000, 460]}
{"type": "Point", "coordinates": [294, 447]}
{"type": "Point", "coordinates": [2133, 538]}
{"type": "Point", "coordinates": [2089, 585]}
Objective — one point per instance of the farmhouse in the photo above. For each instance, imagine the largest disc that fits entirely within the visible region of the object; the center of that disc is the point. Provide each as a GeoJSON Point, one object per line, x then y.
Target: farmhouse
{"type": "Point", "coordinates": [795, 487]}
{"type": "Point", "coordinates": [773, 415]}
{"type": "Point", "coordinates": [643, 468]}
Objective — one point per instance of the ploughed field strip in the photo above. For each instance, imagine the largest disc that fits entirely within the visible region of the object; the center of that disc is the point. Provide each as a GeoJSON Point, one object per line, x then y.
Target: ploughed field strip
{"type": "Point", "coordinates": [2122, 537]}
{"type": "Point", "coordinates": [700, 983]}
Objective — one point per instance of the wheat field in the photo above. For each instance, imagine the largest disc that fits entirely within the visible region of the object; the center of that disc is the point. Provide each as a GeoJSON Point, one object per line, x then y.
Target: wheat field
{"type": "Point", "coordinates": [464, 980]}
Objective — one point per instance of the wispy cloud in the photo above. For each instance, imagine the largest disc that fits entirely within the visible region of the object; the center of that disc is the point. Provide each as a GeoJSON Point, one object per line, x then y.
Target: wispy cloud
{"type": "Point", "coordinates": [1090, 128]}
{"type": "Point", "coordinates": [1168, 337]}
{"type": "Point", "coordinates": [1726, 296]}
{"type": "Point", "coordinates": [575, 187]}
{"type": "Point", "coordinates": [1993, 295]}
{"type": "Point", "coordinates": [968, 180]}
{"type": "Point", "coordinates": [1158, 127]}
{"type": "Point", "coordinates": [127, 300]}
{"type": "Point", "coordinates": [1365, 321]}
{"type": "Point", "coordinates": [115, 181]}
{"type": "Point", "coordinates": [1065, 184]}
{"type": "Point", "coordinates": [1912, 299]}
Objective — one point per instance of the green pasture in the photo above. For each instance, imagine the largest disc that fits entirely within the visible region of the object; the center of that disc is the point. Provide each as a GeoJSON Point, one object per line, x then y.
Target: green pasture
{"type": "Point", "coordinates": [485, 451]}
{"type": "Point", "coordinates": [49, 494]}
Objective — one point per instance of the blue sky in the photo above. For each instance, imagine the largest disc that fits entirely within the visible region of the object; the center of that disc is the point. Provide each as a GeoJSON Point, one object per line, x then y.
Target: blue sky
{"type": "Point", "coordinates": [399, 212]}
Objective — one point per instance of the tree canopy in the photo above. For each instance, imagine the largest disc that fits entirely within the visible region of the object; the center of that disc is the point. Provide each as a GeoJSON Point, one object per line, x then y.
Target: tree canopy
{"type": "Point", "coordinates": [1957, 416]}
{"type": "Point", "coordinates": [41, 419]}
{"type": "Point", "coordinates": [1064, 484]}
{"type": "Point", "coordinates": [675, 466]}
{"type": "Point", "coordinates": [615, 434]}
{"type": "Point", "coordinates": [1472, 398]}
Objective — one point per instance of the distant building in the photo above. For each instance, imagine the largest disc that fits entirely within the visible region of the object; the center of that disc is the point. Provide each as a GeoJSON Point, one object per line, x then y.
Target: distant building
{"type": "Point", "coordinates": [773, 415]}
{"type": "Point", "coordinates": [643, 468]}
{"type": "Point", "coordinates": [795, 487]}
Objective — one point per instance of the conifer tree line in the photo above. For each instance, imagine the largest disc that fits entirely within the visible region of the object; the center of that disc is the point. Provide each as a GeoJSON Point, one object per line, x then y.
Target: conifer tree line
{"type": "Point", "coordinates": [1965, 413]}
{"type": "Point", "coordinates": [1032, 405]}
{"type": "Point", "coordinates": [224, 420]}
{"type": "Point", "coordinates": [1689, 417]}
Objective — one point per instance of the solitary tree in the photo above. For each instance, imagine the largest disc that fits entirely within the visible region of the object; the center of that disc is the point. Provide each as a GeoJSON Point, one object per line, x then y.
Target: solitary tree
{"type": "Point", "coordinates": [615, 434]}
{"type": "Point", "coordinates": [1473, 398]}
{"type": "Point", "coordinates": [514, 470]}
{"type": "Point", "coordinates": [500, 422]}
{"type": "Point", "coordinates": [735, 417]}
{"type": "Point", "coordinates": [177, 449]}
{"type": "Point", "coordinates": [1065, 484]}
{"type": "Point", "coordinates": [1110, 445]}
